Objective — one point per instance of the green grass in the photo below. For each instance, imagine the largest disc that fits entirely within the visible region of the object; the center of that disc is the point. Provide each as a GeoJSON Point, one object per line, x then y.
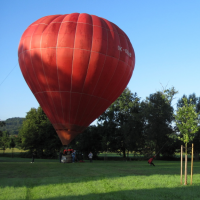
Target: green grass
{"type": "Point", "coordinates": [49, 179]}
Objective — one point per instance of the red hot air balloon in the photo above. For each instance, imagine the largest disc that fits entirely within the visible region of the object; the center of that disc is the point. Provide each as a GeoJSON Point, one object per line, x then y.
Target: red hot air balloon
{"type": "Point", "coordinates": [76, 65]}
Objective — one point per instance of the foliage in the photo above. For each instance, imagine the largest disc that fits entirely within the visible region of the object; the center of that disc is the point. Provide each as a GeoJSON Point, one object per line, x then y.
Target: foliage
{"type": "Point", "coordinates": [12, 125]}
{"type": "Point", "coordinates": [158, 115]}
{"type": "Point", "coordinates": [192, 99]}
{"type": "Point", "coordinates": [187, 121]}
{"type": "Point", "coordinates": [37, 134]}
{"type": "Point", "coordinates": [119, 121]}
{"type": "Point", "coordinates": [89, 140]}
{"type": "Point", "coordinates": [2, 123]}
{"type": "Point", "coordinates": [168, 94]}
{"type": "Point", "coordinates": [4, 140]}
{"type": "Point", "coordinates": [128, 125]}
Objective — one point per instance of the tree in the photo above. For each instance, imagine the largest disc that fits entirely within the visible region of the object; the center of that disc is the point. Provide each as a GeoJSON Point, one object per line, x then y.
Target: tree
{"type": "Point", "coordinates": [12, 125]}
{"type": "Point", "coordinates": [158, 114]}
{"type": "Point", "coordinates": [89, 140]}
{"type": "Point", "coordinates": [11, 144]}
{"type": "Point", "coordinates": [4, 140]}
{"type": "Point", "coordinates": [37, 134]}
{"type": "Point", "coordinates": [193, 99]}
{"type": "Point", "coordinates": [186, 119]}
{"type": "Point", "coordinates": [133, 129]}
{"type": "Point", "coordinates": [115, 120]}
{"type": "Point", "coordinates": [2, 123]}
{"type": "Point", "coordinates": [169, 94]}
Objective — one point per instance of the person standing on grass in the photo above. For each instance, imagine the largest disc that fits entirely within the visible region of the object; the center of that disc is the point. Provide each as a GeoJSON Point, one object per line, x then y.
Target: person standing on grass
{"type": "Point", "coordinates": [60, 156]}
{"type": "Point", "coordinates": [73, 156]}
{"type": "Point", "coordinates": [150, 161]}
{"type": "Point", "coordinates": [90, 155]}
{"type": "Point", "coordinates": [33, 157]}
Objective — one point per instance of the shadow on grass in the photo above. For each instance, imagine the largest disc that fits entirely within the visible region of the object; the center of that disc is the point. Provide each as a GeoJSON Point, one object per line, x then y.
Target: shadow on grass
{"type": "Point", "coordinates": [19, 172]}
{"type": "Point", "coordinates": [181, 193]}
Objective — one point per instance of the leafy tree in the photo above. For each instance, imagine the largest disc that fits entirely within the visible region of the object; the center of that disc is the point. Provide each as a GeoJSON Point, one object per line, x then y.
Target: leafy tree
{"type": "Point", "coordinates": [4, 140]}
{"type": "Point", "coordinates": [186, 119]}
{"type": "Point", "coordinates": [158, 114]}
{"type": "Point", "coordinates": [12, 125]}
{"type": "Point", "coordinates": [2, 123]}
{"type": "Point", "coordinates": [89, 140]}
{"type": "Point", "coordinates": [169, 94]}
{"type": "Point", "coordinates": [133, 129]}
{"type": "Point", "coordinates": [194, 100]}
{"type": "Point", "coordinates": [115, 119]}
{"type": "Point", "coordinates": [37, 134]}
{"type": "Point", "coordinates": [11, 144]}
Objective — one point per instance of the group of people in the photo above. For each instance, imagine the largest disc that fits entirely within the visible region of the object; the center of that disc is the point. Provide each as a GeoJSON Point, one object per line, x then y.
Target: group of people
{"type": "Point", "coordinates": [73, 154]}
{"type": "Point", "coordinates": [90, 156]}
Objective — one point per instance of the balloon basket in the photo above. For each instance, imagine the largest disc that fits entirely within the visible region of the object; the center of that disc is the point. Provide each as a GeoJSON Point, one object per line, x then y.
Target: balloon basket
{"type": "Point", "coordinates": [66, 159]}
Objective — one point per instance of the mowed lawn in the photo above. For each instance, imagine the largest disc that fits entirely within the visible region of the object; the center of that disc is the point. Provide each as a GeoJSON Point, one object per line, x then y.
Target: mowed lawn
{"type": "Point", "coordinates": [49, 179]}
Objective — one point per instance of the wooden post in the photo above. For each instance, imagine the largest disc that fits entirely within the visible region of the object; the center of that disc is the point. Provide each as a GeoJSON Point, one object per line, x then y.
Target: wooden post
{"type": "Point", "coordinates": [185, 164]}
{"type": "Point", "coordinates": [192, 163]}
{"type": "Point", "coordinates": [181, 163]}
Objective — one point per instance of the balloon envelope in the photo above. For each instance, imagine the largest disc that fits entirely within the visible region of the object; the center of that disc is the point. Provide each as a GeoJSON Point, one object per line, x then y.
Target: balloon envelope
{"type": "Point", "coordinates": [76, 65]}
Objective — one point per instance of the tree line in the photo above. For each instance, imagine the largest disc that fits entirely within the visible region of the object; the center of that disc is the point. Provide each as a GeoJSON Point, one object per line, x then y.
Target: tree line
{"type": "Point", "coordinates": [146, 127]}
{"type": "Point", "coordinates": [12, 125]}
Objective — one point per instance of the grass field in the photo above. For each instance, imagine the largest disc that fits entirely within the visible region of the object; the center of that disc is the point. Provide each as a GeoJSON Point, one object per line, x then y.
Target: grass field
{"type": "Point", "coordinates": [49, 179]}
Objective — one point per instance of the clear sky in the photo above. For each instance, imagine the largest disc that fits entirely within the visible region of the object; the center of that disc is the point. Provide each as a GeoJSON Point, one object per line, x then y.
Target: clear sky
{"type": "Point", "coordinates": [165, 36]}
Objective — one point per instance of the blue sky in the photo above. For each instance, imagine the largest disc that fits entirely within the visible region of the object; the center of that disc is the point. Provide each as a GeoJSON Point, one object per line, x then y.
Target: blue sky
{"type": "Point", "coordinates": [165, 36]}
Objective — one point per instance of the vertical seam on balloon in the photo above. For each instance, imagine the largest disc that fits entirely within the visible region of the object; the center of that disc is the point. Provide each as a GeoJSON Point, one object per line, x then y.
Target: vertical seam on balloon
{"type": "Point", "coordinates": [87, 70]}
{"type": "Point", "coordinates": [79, 23]}
{"type": "Point", "coordinates": [126, 67]}
{"type": "Point", "coordinates": [31, 59]}
{"type": "Point", "coordinates": [119, 82]}
{"type": "Point", "coordinates": [115, 67]}
{"type": "Point", "coordinates": [44, 70]}
{"type": "Point", "coordinates": [57, 68]}
{"type": "Point", "coordinates": [26, 69]}
{"type": "Point", "coordinates": [72, 68]}
{"type": "Point", "coordinates": [32, 63]}
{"type": "Point", "coordinates": [128, 78]}
{"type": "Point", "coordinates": [102, 20]}
{"type": "Point", "coordinates": [43, 65]}
{"type": "Point", "coordinates": [104, 60]}
{"type": "Point", "coordinates": [117, 63]}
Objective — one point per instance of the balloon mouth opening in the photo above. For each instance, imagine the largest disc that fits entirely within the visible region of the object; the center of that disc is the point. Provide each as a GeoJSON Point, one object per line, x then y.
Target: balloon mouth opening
{"type": "Point", "coordinates": [66, 133]}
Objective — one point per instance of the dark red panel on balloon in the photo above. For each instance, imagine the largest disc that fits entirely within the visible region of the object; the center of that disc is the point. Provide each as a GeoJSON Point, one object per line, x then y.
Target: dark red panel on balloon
{"type": "Point", "coordinates": [66, 35]}
{"type": "Point", "coordinates": [94, 71]}
{"type": "Point", "coordinates": [64, 58]}
{"type": "Point", "coordinates": [50, 68]}
{"type": "Point", "coordinates": [80, 66]}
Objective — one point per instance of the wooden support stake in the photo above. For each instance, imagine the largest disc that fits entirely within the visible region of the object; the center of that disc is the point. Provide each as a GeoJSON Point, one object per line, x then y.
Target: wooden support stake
{"type": "Point", "coordinates": [181, 163]}
{"type": "Point", "coordinates": [185, 164]}
{"type": "Point", "coordinates": [192, 163]}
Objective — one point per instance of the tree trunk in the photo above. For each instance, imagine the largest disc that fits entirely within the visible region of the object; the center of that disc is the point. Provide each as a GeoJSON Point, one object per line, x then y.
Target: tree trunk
{"type": "Point", "coordinates": [124, 152]}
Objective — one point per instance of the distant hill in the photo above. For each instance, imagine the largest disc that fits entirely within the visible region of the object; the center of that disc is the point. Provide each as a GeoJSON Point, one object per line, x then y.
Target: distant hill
{"type": "Point", "coordinates": [13, 125]}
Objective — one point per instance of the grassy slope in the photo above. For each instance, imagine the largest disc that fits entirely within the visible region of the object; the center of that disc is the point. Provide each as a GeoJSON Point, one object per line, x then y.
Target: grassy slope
{"type": "Point", "coordinates": [49, 179]}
